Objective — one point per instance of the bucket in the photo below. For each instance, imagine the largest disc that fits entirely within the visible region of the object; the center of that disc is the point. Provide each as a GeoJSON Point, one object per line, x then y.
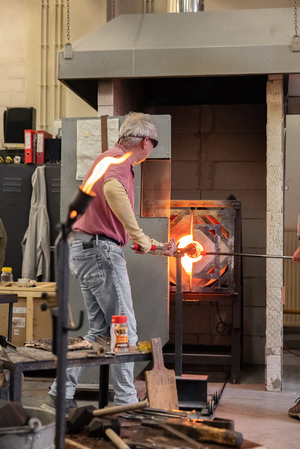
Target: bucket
{"type": "Point", "coordinates": [192, 391]}
{"type": "Point", "coordinates": [38, 437]}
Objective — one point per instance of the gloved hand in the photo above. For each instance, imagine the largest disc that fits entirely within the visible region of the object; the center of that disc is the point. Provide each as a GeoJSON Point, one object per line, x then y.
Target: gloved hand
{"type": "Point", "coordinates": [170, 248]}
{"type": "Point", "coordinates": [296, 255]}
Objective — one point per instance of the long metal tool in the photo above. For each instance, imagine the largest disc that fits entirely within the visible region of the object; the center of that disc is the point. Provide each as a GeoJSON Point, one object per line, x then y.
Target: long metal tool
{"type": "Point", "coordinates": [265, 256]}
{"type": "Point", "coordinates": [192, 250]}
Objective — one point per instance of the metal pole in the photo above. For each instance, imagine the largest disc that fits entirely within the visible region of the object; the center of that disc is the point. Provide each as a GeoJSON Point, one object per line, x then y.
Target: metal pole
{"type": "Point", "coordinates": [178, 319]}
{"type": "Point", "coordinates": [62, 342]}
{"type": "Point", "coordinates": [265, 256]}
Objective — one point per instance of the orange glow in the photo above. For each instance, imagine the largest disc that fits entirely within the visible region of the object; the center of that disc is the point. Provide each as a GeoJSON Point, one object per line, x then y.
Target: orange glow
{"type": "Point", "coordinates": [73, 214]}
{"type": "Point", "coordinates": [187, 261]}
{"type": "Point", "coordinates": [101, 168]}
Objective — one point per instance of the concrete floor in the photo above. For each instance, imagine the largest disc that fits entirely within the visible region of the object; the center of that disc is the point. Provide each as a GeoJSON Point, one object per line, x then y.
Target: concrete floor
{"type": "Point", "coordinates": [259, 415]}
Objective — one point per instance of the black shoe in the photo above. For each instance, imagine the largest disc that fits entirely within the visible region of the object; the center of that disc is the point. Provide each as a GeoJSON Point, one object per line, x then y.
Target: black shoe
{"type": "Point", "coordinates": [294, 412]}
{"type": "Point", "coordinates": [50, 403]}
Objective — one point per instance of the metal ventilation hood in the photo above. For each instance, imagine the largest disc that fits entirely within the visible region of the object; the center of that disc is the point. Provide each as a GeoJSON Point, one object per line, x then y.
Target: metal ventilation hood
{"type": "Point", "coordinates": [212, 43]}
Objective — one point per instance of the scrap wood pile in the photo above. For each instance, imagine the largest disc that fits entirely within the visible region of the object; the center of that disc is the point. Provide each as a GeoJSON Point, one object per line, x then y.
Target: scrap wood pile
{"type": "Point", "coordinates": [78, 343]}
{"type": "Point", "coordinates": [74, 343]}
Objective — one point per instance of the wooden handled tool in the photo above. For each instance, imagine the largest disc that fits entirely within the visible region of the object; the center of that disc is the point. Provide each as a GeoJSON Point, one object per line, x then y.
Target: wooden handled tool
{"type": "Point", "coordinates": [168, 430]}
{"type": "Point", "coordinates": [120, 408]}
{"type": "Point", "coordinates": [107, 429]}
{"type": "Point", "coordinates": [201, 432]}
{"type": "Point", "coordinates": [79, 417]}
{"type": "Point", "coordinates": [160, 381]}
{"type": "Point", "coordinates": [70, 444]}
{"type": "Point", "coordinates": [116, 439]}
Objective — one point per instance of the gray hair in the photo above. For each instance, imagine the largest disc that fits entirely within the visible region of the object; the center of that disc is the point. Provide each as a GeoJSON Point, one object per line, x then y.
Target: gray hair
{"type": "Point", "coordinates": [136, 124]}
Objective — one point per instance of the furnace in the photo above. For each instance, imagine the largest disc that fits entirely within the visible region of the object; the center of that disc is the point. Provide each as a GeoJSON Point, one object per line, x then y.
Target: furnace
{"type": "Point", "coordinates": [210, 226]}
{"type": "Point", "coordinates": [213, 226]}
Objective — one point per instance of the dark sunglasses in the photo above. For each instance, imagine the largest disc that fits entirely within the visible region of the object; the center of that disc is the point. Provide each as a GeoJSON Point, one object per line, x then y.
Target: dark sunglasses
{"type": "Point", "coordinates": [153, 141]}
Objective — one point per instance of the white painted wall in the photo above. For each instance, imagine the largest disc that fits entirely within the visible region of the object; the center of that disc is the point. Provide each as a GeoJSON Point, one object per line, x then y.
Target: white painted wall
{"type": "Point", "coordinates": [21, 33]}
{"type": "Point", "coordinates": [13, 56]}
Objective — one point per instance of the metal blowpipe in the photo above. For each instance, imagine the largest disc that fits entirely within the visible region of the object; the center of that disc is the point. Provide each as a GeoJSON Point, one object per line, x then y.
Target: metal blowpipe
{"type": "Point", "coordinates": [265, 256]}
{"type": "Point", "coordinates": [189, 249]}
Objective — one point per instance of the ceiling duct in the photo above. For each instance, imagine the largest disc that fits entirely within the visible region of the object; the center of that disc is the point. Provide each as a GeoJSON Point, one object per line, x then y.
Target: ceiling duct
{"type": "Point", "coordinates": [213, 43]}
{"type": "Point", "coordinates": [189, 5]}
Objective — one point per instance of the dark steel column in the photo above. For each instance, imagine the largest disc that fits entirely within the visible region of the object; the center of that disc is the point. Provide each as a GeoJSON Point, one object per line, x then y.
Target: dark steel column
{"type": "Point", "coordinates": [178, 319]}
{"type": "Point", "coordinates": [103, 385]}
{"type": "Point", "coordinates": [62, 343]}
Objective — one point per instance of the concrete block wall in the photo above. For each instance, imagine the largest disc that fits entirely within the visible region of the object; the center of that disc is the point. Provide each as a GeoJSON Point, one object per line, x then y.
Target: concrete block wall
{"type": "Point", "coordinates": [219, 150]}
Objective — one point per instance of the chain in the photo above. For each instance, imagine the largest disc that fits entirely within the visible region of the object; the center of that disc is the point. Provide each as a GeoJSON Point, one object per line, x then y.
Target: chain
{"type": "Point", "coordinates": [295, 16]}
{"type": "Point", "coordinates": [68, 21]}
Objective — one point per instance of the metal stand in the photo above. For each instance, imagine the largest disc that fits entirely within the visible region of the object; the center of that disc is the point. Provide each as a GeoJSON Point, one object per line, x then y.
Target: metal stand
{"type": "Point", "coordinates": [60, 332]}
{"type": "Point", "coordinates": [178, 318]}
{"type": "Point", "coordinates": [191, 390]}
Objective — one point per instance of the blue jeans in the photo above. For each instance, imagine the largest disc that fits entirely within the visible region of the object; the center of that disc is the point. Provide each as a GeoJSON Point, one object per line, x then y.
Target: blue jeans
{"type": "Point", "coordinates": [102, 275]}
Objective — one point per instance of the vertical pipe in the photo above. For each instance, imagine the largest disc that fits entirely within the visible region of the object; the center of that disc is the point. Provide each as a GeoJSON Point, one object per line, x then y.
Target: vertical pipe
{"type": "Point", "coordinates": [192, 233]}
{"type": "Point", "coordinates": [41, 57]}
{"type": "Point", "coordinates": [44, 63]}
{"type": "Point", "coordinates": [54, 65]}
{"type": "Point", "coordinates": [190, 5]}
{"type": "Point", "coordinates": [45, 80]}
{"type": "Point", "coordinates": [178, 319]}
{"type": "Point", "coordinates": [58, 6]}
{"type": "Point", "coordinates": [60, 44]}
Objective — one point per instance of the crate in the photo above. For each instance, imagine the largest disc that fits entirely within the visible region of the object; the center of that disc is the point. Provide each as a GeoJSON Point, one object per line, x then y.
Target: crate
{"type": "Point", "coordinates": [29, 322]}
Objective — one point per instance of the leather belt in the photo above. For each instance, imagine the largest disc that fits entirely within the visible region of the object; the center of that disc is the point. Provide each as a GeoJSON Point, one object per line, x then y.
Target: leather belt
{"type": "Point", "coordinates": [94, 237]}
{"type": "Point", "coordinates": [104, 237]}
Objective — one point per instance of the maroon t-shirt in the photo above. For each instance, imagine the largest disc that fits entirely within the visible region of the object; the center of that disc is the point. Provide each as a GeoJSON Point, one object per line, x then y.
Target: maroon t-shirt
{"type": "Point", "coordinates": [99, 218]}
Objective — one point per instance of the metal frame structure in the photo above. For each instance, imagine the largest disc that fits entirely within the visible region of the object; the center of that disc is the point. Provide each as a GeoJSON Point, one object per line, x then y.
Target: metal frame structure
{"type": "Point", "coordinates": [232, 294]}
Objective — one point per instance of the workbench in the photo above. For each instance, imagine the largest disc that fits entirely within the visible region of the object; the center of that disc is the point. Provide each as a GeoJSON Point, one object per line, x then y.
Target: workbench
{"type": "Point", "coordinates": [31, 298]}
{"type": "Point", "coordinates": [29, 359]}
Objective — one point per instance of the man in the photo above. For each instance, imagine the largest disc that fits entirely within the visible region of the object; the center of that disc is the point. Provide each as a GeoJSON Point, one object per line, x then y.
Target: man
{"type": "Point", "coordinates": [294, 411]}
{"type": "Point", "coordinates": [99, 265]}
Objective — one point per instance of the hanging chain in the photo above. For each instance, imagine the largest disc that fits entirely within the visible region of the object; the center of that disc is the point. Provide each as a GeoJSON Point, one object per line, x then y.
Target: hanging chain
{"type": "Point", "coordinates": [68, 47]}
{"type": "Point", "coordinates": [295, 16]}
{"type": "Point", "coordinates": [68, 21]}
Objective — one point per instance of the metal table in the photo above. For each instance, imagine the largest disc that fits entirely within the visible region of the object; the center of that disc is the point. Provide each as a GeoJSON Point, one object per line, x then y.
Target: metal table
{"type": "Point", "coordinates": [29, 359]}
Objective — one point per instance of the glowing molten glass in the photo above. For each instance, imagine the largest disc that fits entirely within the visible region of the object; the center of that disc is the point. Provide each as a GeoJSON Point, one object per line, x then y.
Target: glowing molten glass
{"type": "Point", "coordinates": [101, 168]}
{"type": "Point", "coordinates": [187, 261]}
